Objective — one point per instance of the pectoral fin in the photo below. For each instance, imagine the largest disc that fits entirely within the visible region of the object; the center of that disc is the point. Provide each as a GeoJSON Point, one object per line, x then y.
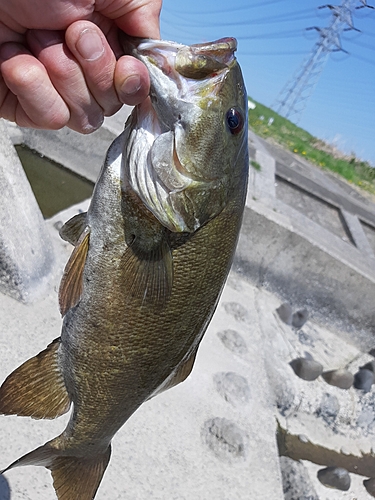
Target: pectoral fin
{"type": "Point", "coordinates": [150, 273]}
{"type": "Point", "coordinates": [36, 389]}
{"type": "Point", "coordinates": [73, 229]}
{"type": "Point", "coordinates": [72, 281]}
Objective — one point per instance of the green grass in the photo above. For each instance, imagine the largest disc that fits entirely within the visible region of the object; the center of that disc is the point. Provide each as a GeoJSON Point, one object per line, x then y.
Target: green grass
{"type": "Point", "coordinates": [297, 140]}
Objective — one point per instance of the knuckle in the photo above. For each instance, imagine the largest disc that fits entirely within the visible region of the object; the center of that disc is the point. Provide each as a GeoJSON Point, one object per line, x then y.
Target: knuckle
{"type": "Point", "coordinates": [55, 121]}
{"type": "Point", "coordinates": [23, 78]}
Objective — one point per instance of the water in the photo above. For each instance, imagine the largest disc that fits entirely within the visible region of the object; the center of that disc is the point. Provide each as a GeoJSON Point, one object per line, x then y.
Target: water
{"type": "Point", "coordinates": [55, 188]}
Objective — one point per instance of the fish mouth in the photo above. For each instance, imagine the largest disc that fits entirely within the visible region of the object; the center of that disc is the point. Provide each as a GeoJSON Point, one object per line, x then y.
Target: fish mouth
{"type": "Point", "coordinates": [196, 61]}
{"type": "Point", "coordinates": [190, 75]}
{"type": "Point", "coordinates": [195, 70]}
{"type": "Point", "coordinates": [192, 61]}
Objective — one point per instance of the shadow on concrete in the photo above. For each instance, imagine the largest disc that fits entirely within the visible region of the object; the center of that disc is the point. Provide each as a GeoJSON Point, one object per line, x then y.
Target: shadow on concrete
{"type": "Point", "coordinates": [4, 489]}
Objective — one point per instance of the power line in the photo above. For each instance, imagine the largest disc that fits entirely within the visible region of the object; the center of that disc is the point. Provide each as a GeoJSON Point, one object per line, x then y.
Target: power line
{"type": "Point", "coordinates": [364, 59]}
{"type": "Point", "coordinates": [287, 17]}
{"type": "Point", "coordinates": [279, 34]}
{"type": "Point", "coordinates": [231, 9]}
{"type": "Point", "coordinates": [359, 44]}
{"type": "Point", "coordinates": [290, 53]}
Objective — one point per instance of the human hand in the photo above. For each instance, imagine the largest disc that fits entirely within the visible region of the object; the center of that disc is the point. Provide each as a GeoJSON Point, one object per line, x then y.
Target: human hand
{"type": "Point", "coordinates": [60, 60]}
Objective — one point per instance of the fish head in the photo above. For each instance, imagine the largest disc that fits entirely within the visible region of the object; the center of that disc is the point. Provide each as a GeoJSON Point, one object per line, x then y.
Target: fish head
{"type": "Point", "coordinates": [191, 154]}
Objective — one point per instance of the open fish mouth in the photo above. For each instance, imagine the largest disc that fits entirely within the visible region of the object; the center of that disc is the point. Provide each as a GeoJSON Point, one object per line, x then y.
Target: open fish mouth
{"type": "Point", "coordinates": [196, 71]}
{"type": "Point", "coordinates": [194, 61]}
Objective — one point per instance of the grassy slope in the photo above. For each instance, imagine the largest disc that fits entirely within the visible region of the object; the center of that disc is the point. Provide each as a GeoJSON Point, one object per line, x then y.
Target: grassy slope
{"type": "Point", "coordinates": [314, 150]}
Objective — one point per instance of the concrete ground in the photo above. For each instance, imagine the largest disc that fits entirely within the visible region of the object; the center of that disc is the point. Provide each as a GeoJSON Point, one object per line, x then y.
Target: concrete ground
{"type": "Point", "coordinates": [215, 435]}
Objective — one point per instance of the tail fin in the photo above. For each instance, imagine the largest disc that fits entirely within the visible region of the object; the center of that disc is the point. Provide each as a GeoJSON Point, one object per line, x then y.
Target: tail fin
{"type": "Point", "coordinates": [74, 478]}
{"type": "Point", "coordinates": [36, 389]}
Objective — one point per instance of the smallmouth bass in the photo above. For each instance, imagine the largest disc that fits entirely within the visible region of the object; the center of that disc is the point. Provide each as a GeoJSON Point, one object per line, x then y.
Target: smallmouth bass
{"type": "Point", "coordinates": [150, 260]}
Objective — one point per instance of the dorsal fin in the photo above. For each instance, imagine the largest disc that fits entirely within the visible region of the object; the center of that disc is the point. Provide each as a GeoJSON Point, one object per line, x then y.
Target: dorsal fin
{"type": "Point", "coordinates": [72, 281]}
{"type": "Point", "coordinates": [150, 273]}
{"type": "Point", "coordinates": [36, 389]}
{"type": "Point", "coordinates": [72, 230]}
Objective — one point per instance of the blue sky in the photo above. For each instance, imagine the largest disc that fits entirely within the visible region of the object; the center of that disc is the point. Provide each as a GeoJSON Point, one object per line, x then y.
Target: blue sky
{"type": "Point", "coordinates": [272, 45]}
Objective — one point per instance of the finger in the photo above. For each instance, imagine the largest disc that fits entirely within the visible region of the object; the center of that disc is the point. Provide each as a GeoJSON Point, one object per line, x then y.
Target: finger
{"type": "Point", "coordinates": [27, 95]}
{"type": "Point", "coordinates": [9, 35]}
{"type": "Point", "coordinates": [132, 80]}
{"type": "Point", "coordinates": [137, 18]}
{"type": "Point", "coordinates": [97, 61]}
{"type": "Point", "coordinates": [94, 53]}
{"type": "Point", "coordinates": [86, 115]}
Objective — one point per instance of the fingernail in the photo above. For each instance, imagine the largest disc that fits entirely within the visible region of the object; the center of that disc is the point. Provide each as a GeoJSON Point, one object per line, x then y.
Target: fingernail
{"type": "Point", "coordinates": [89, 128]}
{"type": "Point", "coordinates": [90, 45]}
{"type": "Point", "coordinates": [131, 85]}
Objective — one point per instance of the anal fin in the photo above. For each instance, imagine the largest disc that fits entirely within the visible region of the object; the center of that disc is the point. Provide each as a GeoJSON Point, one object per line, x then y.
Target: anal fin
{"type": "Point", "coordinates": [78, 478]}
{"type": "Point", "coordinates": [72, 281]}
{"type": "Point", "coordinates": [36, 389]}
{"type": "Point", "coordinates": [181, 374]}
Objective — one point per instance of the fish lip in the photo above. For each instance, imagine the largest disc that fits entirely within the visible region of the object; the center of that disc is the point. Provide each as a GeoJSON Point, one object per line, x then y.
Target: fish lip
{"type": "Point", "coordinates": [148, 44]}
{"type": "Point", "coordinates": [222, 48]}
{"type": "Point", "coordinates": [140, 47]}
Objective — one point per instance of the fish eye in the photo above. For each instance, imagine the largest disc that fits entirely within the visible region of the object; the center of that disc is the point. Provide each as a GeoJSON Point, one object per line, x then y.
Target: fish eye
{"type": "Point", "coordinates": [235, 121]}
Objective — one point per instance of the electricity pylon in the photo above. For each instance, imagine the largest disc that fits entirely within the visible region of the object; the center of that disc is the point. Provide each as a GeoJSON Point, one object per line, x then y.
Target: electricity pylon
{"type": "Point", "coordinates": [293, 98]}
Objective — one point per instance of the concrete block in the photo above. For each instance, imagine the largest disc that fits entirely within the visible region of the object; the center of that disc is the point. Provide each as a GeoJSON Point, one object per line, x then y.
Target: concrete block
{"type": "Point", "coordinates": [15, 132]}
{"type": "Point", "coordinates": [261, 182]}
{"type": "Point", "coordinates": [303, 263]}
{"type": "Point", "coordinates": [357, 233]}
{"type": "Point", "coordinates": [83, 154]}
{"type": "Point", "coordinates": [26, 256]}
{"type": "Point", "coordinates": [296, 480]}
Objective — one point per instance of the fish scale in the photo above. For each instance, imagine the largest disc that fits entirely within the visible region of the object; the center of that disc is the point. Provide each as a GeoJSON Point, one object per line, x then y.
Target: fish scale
{"type": "Point", "coordinates": [144, 278]}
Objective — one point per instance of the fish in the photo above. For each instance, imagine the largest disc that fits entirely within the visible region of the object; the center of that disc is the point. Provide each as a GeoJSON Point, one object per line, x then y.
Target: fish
{"type": "Point", "coordinates": [150, 259]}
